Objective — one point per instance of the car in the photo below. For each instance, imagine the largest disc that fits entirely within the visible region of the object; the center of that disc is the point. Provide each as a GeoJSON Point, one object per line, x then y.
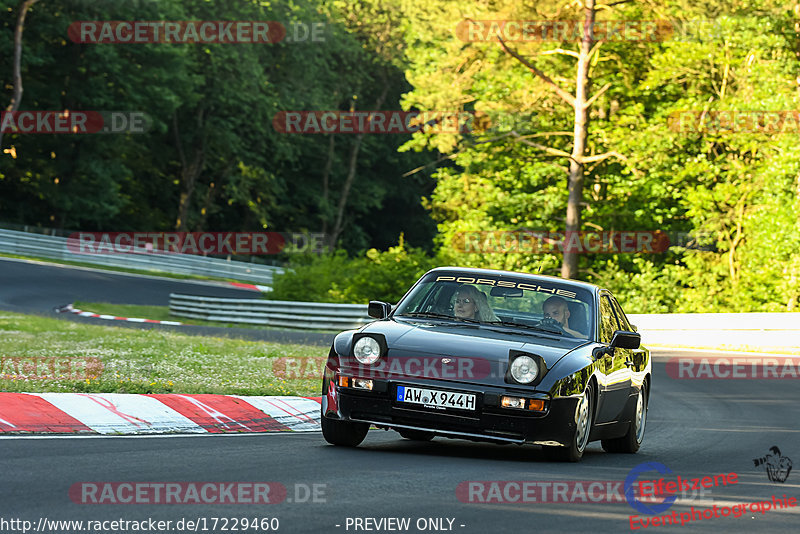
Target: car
{"type": "Point", "coordinates": [493, 356]}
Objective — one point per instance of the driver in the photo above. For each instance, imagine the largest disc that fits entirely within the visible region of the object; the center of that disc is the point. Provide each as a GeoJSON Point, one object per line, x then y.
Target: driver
{"type": "Point", "coordinates": [556, 308]}
{"type": "Point", "coordinates": [469, 303]}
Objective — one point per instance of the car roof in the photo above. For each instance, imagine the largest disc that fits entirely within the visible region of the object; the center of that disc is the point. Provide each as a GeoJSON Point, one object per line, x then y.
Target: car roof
{"type": "Point", "coordinates": [537, 277]}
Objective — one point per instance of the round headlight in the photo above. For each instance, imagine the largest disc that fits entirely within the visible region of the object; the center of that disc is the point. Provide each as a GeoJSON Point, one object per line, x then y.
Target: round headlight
{"type": "Point", "coordinates": [367, 350]}
{"type": "Point", "coordinates": [524, 369]}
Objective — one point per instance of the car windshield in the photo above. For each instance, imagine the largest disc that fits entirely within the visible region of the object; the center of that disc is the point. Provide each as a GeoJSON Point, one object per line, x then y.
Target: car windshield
{"type": "Point", "coordinates": [533, 304]}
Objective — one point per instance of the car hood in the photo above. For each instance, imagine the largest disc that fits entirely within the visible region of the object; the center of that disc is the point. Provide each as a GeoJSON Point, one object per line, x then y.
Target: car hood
{"type": "Point", "coordinates": [484, 350]}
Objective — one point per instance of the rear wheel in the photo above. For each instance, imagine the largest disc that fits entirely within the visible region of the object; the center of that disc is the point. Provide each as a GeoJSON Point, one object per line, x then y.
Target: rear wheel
{"type": "Point", "coordinates": [630, 442]}
{"type": "Point", "coordinates": [344, 433]}
{"type": "Point", "coordinates": [416, 435]}
{"type": "Point", "coordinates": [584, 417]}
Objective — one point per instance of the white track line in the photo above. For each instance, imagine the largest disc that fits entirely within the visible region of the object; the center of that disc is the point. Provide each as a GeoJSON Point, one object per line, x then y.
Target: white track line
{"type": "Point", "coordinates": [719, 351]}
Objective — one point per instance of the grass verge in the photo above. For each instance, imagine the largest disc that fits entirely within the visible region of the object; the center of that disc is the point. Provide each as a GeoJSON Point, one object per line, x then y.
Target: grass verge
{"type": "Point", "coordinates": [40, 354]}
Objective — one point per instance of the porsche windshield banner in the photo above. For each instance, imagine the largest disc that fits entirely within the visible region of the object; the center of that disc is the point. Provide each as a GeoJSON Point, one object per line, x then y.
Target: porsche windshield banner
{"type": "Point", "coordinates": [507, 283]}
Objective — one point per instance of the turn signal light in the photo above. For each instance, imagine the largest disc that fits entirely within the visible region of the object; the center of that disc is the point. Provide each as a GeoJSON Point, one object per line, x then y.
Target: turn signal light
{"type": "Point", "coordinates": [537, 405]}
{"type": "Point", "coordinates": [344, 381]}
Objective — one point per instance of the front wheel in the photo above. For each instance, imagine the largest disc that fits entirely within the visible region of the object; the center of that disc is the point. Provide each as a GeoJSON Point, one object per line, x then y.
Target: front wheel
{"type": "Point", "coordinates": [630, 442]}
{"type": "Point", "coordinates": [343, 433]}
{"type": "Point", "coordinates": [584, 417]}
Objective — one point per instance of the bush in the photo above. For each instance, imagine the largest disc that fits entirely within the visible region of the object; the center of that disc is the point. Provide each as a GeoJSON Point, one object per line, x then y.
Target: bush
{"type": "Point", "coordinates": [336, 278]}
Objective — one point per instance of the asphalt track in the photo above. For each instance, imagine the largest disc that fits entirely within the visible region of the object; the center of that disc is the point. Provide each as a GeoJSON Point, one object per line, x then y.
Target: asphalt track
{"type": "Point", "coordinates": [695, 428]}
{"type": "Point", "coordinates": [37, 288]}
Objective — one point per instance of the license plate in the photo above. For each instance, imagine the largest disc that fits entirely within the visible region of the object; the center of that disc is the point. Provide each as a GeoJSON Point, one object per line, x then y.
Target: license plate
{"type": "Point", "coordinates": [434, 398]}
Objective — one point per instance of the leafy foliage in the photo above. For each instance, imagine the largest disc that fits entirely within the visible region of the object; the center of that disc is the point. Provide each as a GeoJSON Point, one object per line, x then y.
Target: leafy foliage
{"type": "Point", "coordinates": [336, 278]}
{"type": "Point", "coordinates": [739, 187]}
{"type": "Point", "coordinates": [212, 159]}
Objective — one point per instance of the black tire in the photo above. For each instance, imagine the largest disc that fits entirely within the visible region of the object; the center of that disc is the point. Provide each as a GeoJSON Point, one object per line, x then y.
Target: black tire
{"type": "Point", "coordinates": [630, 442]}
{"type": "Point", "coordinates": [416, 435]}
{"type": "Point", "coordinates": [583, 429]}
{"type": "Point", "coordinates": [344, 433]}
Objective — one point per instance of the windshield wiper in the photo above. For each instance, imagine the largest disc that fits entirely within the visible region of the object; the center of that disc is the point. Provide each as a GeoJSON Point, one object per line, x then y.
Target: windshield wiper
{"type": "Point", "coordinates": [435, 315]}
{"type": "Point", "coordinates": [528, 326]}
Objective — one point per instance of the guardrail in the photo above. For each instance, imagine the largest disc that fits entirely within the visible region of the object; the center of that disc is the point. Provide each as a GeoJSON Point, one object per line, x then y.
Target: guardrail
{"type": "Point", "coordinates": [769, 330]}
{"type": "Point", "coordinates": [286, 314]}
{"type": "Point", "coordinates": [54, 247]}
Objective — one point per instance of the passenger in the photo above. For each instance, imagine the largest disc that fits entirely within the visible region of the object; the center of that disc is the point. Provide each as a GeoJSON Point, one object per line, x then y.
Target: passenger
{"type": "Point", "coordinates": [556, 308]}
{"type": "Point", "coordinates": [469, 303]}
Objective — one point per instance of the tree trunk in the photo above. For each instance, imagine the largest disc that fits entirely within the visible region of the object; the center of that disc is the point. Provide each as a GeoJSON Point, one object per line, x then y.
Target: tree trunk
{"type": "Point", "coordinates": [338, 225]}
{"type": "Point", "coordinates": [16, 96]}
{"type": "Point", "coordinates": [189, 175]}
{"type": "Point", "coordinates": [580, 103]}
{"type": "Point", "coordinates": [326, 175]}
{"type": "Point", "coordinates": [190, 170]}
{"type": "Point", "coordinates": [569, 266]}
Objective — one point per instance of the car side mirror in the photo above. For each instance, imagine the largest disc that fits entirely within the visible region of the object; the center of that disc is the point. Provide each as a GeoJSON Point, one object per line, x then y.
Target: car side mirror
{"type": "Point", "coordinates": [379, 310]}
{"type": "Point", "coordinates": [599, 352]}
{"type": "Point", "coordinates": [625, 339]}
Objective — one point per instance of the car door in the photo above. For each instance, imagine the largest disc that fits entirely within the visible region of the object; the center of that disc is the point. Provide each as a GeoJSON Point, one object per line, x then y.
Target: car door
{"type": "Point", "coordinates": [638, 361]}
{"type": "Point", "coordinates": [616, 374]}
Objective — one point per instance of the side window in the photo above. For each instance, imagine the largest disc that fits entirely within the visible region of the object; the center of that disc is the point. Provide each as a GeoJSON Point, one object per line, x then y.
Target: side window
{"type": "Point", "coordinates": [608, 322]}
{"type": "Point", "coordinates": [623, 320]}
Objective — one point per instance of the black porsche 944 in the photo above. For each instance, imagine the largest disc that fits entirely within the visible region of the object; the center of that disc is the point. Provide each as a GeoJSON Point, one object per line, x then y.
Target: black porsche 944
{"type": "Point", "coordinates": [492, 356]}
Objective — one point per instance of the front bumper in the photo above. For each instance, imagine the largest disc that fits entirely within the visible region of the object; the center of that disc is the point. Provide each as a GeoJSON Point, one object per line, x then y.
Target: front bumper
{"type": "Point", "coordinates": [488, 422]}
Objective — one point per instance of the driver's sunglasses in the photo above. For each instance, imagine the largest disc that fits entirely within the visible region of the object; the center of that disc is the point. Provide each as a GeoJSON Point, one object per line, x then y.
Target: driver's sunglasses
{"type": "Point", "coordinates": [464, 301]}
